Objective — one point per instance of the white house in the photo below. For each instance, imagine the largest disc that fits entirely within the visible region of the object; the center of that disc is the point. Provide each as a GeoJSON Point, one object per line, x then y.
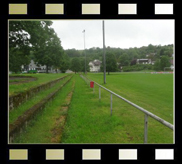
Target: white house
{"type": "Point", "coordinates": [144, 61]}
{"type": "Point", "coordinates": [95, 65]}
{"type": "Point", "coordinates": [69, 71]}
{"type": "Point", "coordinates": [35, 66]}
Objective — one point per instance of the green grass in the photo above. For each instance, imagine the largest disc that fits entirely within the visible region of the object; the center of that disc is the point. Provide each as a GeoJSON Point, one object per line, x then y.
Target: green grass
{"type": "Point", "coordinates": [89, 120]}
{"type": "Point", "coordinates": [39, 129]}
{"type": "Point", "coordinates": [154, 92]}
{"type": "Point", "coordinates": [41, 79]}
{"type": "Point", "coordinates": [15, 113]}
{"type": "Point", "coordinates": [19, 80]}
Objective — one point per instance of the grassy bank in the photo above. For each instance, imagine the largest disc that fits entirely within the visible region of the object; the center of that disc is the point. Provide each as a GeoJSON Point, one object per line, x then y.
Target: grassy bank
{"type": "Point", "coordinates": [40, 128]}
{"type": "Point", "coordinates": [15, 113]}
{"type": "Point", "coordinates": [41, 79]}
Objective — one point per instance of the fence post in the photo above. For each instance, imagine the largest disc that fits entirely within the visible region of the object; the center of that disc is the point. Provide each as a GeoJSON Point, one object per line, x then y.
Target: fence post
{"type": "Point", "coordinates": [111, 104]}
{"type": "Point", "coordinates": [99, 93]}
{"type": "Point", "coordinates": [87, 81]}
{"type": "Point", "coordinates": [145, 128]}
{"type": "Point", "coordinates": [93, 89]}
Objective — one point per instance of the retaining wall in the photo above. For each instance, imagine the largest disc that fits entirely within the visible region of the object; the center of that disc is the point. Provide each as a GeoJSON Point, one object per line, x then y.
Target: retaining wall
{"type": "Point", "coordinates": [16, 100]}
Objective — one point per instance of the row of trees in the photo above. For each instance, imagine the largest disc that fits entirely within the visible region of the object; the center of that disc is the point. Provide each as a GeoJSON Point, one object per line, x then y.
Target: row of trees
{"type": "Point", "coordinates": [126, 58]}
{"type": "Point", "coordinates": [35, 40]}
{"type": "Point", "coordinates": [163, 62]}
{"type": "Point", "coordinates": [78, 64]}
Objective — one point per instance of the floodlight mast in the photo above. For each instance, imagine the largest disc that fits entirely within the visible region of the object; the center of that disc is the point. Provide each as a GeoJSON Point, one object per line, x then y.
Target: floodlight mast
{"type": "Point", "coordinates": [104, 61]}
{"type": "Point", "coordinates": [84, 49]}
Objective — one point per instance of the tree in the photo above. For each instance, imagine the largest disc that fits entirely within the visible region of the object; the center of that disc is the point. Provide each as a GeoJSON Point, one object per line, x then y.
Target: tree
{"type": "Point", "coordinates": [65, 63]}
{"type": "Point", "coordinates": [26, 36]}
{"type": "Point", "coordinates": [38, 38]}
{"type": "Point", "coordinates": [82, 62]}
{"type": "Point", "coordinates": [17, 59]}
{"type": "Point", "coordinates": [75, 65]}
{"type": "Point", "coordinates": [157, 66]}
{"type": "Point", "coordinates": [124, 59]}
{"type": "Point", "coordinates": [73, 53]}
{"type": "Point", "coordinates": [111, 65]}
{"type": "Point", "coordinates": [133, 62]}
{"type": "Point", "coordinates": [164, 62]}
{"type": "Point", "coordinates": [150, 49]}
{"type": "Point", "coordinates": [19, 45]}
{"type": "Point", "coordinates": [18, 34]}
{"type": "Point", "coordinates": [166, 51]}
{"type": "Point", "coordinates": [47, 47]}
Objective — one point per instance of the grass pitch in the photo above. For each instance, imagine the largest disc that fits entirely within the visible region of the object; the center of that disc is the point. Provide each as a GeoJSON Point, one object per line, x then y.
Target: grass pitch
{"type": "Point", "coordinates": [154, 92]}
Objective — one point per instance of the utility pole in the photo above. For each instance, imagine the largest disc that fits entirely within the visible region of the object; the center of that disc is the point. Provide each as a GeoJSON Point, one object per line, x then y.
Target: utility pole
{"type": "Point", "coordinates": [104, 53]}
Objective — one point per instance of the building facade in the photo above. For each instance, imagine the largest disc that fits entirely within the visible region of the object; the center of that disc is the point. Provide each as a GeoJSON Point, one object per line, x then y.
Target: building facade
{"type": "Point", "coordinates": [144, 61]}
{"type": "Point", "coordinates": [39, 68]}
{"type": "Point", "coordinates": [95, 66]}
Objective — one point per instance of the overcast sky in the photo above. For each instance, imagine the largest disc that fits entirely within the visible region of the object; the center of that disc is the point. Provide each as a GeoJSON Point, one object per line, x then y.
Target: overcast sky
{"type": "Point", "coordinates": [118, 33]}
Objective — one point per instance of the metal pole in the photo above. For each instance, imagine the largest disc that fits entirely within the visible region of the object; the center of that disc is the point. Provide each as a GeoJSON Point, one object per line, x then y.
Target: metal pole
{"type": "Point", "coordinates": [104, 61]}
{"type": "Point", "coordinates": [93, 89]}
{"type": "Point", "coordinates": [99, 94]}
{"type": "Point", "coordinates": [111, 104]}
{"type": "Point", "coordinates": [84, 50]}
{"type": "Point", "coordinates": [145, 128]}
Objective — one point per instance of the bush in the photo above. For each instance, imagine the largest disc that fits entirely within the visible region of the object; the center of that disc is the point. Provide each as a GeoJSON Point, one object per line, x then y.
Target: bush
{"type": "Point", "coordinates": [137, 67]}
{"type": "Point", "coordinates": [32, 71]}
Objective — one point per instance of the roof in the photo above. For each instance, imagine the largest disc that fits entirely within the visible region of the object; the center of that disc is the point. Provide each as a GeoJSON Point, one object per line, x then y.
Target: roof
{"type": "Point", "coordinates": [96, 62]}
{"type": "Point", "coordinates": [142, 59]}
